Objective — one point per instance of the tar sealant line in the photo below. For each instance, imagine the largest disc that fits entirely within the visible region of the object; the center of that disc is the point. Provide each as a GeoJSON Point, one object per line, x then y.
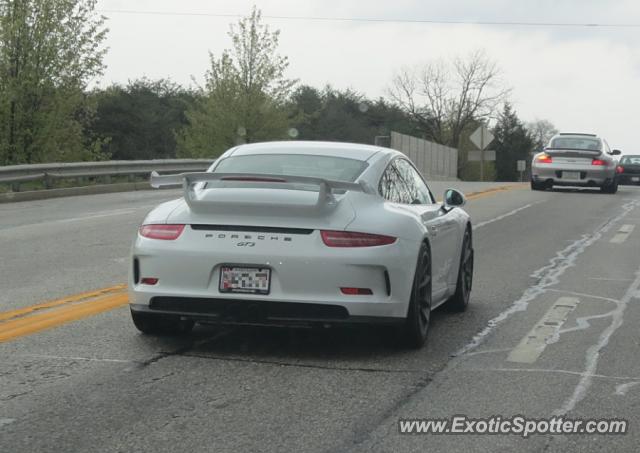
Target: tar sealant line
{"type": "Point", "coordinates": [593, 353]}
{"type": "Point", "coordinates": [547, 276]}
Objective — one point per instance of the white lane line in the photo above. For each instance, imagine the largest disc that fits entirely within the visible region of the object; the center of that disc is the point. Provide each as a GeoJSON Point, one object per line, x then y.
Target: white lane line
{"type": "Point", "coordinates": [611, 279]}
{"type": "Point", "coordinates": [590, 296]}
{"type": "Point", "coordinates": [622, 389]}
{"type": "Point", "coordinates": [593, 353]}
{"type": "Point", "coordinates": [535, 342]}
{"type": "Point", "coordinates": [86, 359]}
{"type": "Point", "coordinates": [503, 216]}
{"type": "Point", "coordinates": [547, 276]}
{"type": "Point", "coordinates": [97, 215]}
{"type": "Point", "coordinates": [6, 421]}
{"type": "Point", "coordinates": [94, 216]}
{"type": "Point", "coordinates": [549, 371]}
{"type": "Point", "coordinates": [623, 234]}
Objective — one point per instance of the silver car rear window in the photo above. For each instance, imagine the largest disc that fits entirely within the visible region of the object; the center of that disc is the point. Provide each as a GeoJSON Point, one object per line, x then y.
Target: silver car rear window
{"type": "Point", "coordinates": [630, 160]}
{"type": "Point", "coordinates": [325, 167]}
{"type": "Point", "coordinates": [585, 143]}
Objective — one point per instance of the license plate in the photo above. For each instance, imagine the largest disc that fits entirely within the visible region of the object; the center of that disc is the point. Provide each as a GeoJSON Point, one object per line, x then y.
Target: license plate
{"type": "Point", "coordinates": [635, 178]}
{"type": "Point", "coordinates": [570, 175]}
{"type": "Point", "coordinates": [240, 279]}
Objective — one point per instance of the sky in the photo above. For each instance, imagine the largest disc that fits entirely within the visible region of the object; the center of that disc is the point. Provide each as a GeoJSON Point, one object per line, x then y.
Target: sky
{"type": "Point", "coordinates": [581, 78]}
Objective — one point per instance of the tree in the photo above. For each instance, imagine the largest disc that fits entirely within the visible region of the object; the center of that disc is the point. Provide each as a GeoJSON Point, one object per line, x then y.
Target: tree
{"type": "Point", "coordinates": [140, 119]}
{"type": "Point", "coordinates": [245, 95]}
{"type": "Point", "coordinates": [512, 143]}
{"type": "Point", "coordinates": [447, 98]}
{"type": "Point", "coordinates": [49, 51]}
{"type": "Point", "coordinates": [541, 132]}
{"type": "Point", "coordinates": [345, 115]}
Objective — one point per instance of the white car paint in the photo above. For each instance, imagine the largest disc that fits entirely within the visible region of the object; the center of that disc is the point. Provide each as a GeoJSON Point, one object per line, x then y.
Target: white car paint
{"type": "Point", "coordinates": [304, 269]}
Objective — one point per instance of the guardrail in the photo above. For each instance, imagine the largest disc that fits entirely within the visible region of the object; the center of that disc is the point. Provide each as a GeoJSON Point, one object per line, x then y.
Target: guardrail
{"type": "Point", "coordinates": [15, 175]}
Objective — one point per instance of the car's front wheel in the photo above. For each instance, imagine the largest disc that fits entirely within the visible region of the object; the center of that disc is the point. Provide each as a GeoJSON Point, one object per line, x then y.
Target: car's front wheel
{"type": "Point", "coordinates": [153, 324]}
{"type": "Point", "coordinates": [416, 326]}
{"type": "Point", "coordinates": [460, 299]}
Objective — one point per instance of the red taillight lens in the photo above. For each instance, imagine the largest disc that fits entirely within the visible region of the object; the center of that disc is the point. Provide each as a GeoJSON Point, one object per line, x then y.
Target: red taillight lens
{"type": "Point", "coordinates": [619, 169]}
{"type": "Point", "coordinates": [162, 231]}
{"type": "Point", "coordinates": [598, 162]}
{"type": "Point", "coordinates": [356, 291]}
{"type": "Point", "coordinates": [544, 159]}
{"type": "Point", "coordinates": [149, 281]}
{"type": "Point", "coordinates": [350, 239]}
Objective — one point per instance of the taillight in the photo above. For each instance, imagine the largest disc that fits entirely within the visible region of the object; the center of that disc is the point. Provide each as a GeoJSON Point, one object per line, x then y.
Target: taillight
{"type": "Point", "coordinates": [544, 159]}
{"type": "Point", "coordinates": [598, 162]}
{"type": "Point", "coordinates": [161, 231]}
{"type": "Point", "coordinates": [619, 169]}
{"type": "Point", "coordinates": [350, 239]}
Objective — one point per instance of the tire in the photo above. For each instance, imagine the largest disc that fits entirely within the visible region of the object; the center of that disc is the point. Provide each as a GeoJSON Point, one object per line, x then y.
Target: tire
{"type": "Point", "coordinates": [610, 188]}
{"type": "Point", "coordinates": [538, 185]}
{"type": "Point", "coordinates": [460, 299]}
{"type": "Point", "coordinates": [152, 324]}
{"type": "Point", "coordinates": [416, 326]}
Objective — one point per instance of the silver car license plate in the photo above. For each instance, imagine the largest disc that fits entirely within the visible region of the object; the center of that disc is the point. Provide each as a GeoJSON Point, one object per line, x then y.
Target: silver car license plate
{"type": "Point", "coordinates": [570, 175]}
{"type": "Point", "coordinates": [240, 279]}
{"type": "Point", "coordinates": [635, 178]}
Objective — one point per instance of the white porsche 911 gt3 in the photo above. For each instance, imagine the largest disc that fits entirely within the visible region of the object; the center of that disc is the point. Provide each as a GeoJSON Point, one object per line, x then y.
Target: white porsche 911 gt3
{"type": "Point", "coordinates": [301, 233]}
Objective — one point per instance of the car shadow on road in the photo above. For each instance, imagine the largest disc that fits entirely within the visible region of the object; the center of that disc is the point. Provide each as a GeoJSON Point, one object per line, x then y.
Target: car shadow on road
{"type": "Point", "coordinates": [366, 344]}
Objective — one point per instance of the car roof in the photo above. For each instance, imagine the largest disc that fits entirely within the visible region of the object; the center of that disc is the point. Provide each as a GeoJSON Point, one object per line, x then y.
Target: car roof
{"type": "Point", "coordinates": [317, 148]}
{"type": "Point", "coordinates": [575, 134]}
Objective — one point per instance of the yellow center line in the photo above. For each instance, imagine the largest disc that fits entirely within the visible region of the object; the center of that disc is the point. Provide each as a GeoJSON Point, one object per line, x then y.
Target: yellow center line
{"type": "Point", "coordinates": [492, 191]}
{"type": "Point", "coordinates": [56, 303]}
{"type": "Point", "coordinates": [21, 325]}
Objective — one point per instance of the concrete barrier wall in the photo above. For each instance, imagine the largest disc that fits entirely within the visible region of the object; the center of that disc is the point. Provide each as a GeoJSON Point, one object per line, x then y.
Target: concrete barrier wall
{"type": "Point", "coordinates": [436, 162]}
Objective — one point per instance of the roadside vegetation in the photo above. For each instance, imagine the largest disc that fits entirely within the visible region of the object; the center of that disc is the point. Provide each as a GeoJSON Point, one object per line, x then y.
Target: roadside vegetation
{"type": "Point", "coordinates": [51, 51]}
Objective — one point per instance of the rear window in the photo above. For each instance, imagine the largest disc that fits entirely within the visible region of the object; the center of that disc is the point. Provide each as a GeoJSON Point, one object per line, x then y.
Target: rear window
{"type": "Point", "coordinates": [582, 143]}
{"type": "Point", "coordinates": [630, 160]}
{"type": "Point", "coordinates": [325, 167]}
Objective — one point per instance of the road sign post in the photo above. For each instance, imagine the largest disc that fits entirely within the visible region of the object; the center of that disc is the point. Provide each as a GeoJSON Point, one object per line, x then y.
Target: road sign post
{"type": "Point", "coordinates": [522, 167]}
{"type": "Point", "coordinates": [482, 138]}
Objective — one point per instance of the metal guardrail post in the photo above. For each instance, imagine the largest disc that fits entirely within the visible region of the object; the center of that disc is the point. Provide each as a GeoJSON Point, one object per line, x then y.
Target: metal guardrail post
{"type": "Point", "coordinates": [48, 181]}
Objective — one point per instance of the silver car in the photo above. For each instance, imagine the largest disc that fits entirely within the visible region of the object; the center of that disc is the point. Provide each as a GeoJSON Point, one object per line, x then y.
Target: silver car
{"type": "Point", "coordinates": [583, 160]}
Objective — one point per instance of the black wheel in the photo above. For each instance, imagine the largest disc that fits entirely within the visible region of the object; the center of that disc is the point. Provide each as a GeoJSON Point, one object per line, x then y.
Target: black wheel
{"type": "Point", "coordinates": [538, 185]}
{"type": "Point", "coordinates": [416, 326]}
{"type": "Point", "coordinates": [610, 188]}
{"type": "Point", "coordinates": [460, 299]}
{"type": "Point", "coordinates": [152, 324]}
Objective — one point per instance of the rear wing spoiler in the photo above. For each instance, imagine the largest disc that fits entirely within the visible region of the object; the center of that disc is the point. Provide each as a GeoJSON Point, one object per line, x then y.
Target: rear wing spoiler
{"type": "Point", "coordinates": [287, 182]}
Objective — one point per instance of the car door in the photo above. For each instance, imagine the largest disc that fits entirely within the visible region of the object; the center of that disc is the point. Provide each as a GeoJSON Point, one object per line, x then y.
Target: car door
{"type": "Point", "coordinates": [409, 189]}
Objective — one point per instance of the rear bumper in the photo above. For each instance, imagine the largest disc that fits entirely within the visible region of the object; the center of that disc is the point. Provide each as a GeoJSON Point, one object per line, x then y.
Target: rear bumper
{"type": "Point", "coordinates": [625, 178]}
{"type": "Point", "coordinates": [252, 313]}
{"type": "Point", "coordinates": [588, 176]}
{"type": "Point", "coordinates": [305, 277]}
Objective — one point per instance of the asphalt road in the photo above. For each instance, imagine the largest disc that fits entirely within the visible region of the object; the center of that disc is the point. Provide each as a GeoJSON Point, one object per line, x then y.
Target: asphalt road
{"type": "Point", "coordinates": [564, 261]}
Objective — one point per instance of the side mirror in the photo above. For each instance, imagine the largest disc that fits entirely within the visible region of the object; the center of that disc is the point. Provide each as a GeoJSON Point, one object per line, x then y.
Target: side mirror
{"type": "Point", "coordinates": [453, 199]}
{"type": "Point", "coordinates": [616, 152]}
